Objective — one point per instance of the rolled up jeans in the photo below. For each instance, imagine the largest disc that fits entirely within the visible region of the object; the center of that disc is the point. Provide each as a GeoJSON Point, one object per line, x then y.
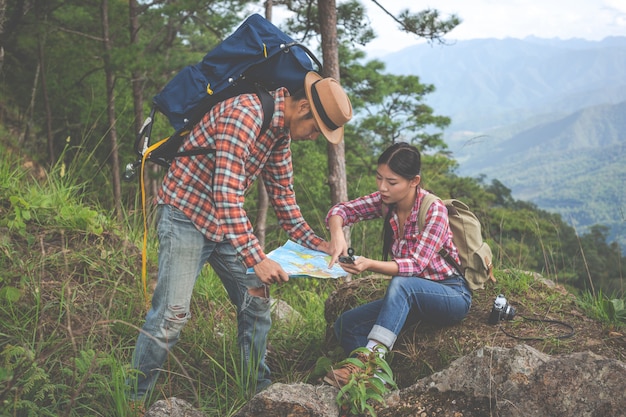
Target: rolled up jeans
{"type": "Point", "coordinates": [183, 251]}
{"type": "Point", "coordinates": [407, 298]}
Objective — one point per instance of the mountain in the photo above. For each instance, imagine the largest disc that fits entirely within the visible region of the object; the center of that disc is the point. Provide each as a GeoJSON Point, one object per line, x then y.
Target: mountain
{"type": "Point", "coordinates": [546, 117]}
{"type": "Point", "coordinates": [486, 83]}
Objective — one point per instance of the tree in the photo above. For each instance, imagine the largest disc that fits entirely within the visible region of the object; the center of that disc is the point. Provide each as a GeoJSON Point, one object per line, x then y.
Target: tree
{"type": "Point", "coordinates": [110, 85]}
{"type": "Point", "coordinates": [263, 200]}
{"type": "Point", "coordinates": [330, 56]}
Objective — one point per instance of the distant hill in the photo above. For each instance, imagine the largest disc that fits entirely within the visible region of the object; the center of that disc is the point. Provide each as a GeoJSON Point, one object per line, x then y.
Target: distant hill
{"type": "Point", "coordinates": [486, 83]}
{"type": "Point", "coordinates": [546, 117]}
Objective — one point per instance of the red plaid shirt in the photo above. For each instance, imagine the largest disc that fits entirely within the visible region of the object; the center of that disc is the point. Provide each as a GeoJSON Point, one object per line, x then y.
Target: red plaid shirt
{"type": "Point", "coordinates": [416, 251]}
{"type": "Point", "coordinates": [210, 189]}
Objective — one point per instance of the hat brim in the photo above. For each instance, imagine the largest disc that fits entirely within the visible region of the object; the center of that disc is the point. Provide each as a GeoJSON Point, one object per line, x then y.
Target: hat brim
{"type": "Point", "coordinates": [333, 136]}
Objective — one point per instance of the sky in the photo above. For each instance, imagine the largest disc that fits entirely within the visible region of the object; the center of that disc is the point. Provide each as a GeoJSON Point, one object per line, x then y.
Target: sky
{"type": "Point", "coordinates": [564, 19]}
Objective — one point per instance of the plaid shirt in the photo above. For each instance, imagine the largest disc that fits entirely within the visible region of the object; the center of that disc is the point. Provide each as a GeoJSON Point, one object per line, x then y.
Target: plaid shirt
{"type": "Point", "coordinates": [415, 252]}
{"type": "Point", "coordinates": [210, 189]}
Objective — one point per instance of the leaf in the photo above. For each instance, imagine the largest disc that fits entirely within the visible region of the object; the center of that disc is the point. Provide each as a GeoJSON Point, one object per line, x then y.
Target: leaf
{"type": "Point", "coordinates": [11, 294]}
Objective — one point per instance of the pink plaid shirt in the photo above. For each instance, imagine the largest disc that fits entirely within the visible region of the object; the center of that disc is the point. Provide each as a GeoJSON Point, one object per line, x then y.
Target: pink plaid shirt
{"type": "Point", "coordinates": [210, 189]}
{"type": "Point", "coordinates": [416, 251]}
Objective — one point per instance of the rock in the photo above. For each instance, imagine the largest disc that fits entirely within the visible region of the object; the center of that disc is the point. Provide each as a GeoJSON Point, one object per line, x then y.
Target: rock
{"type": "Point", "coordinates": [172, 407]}
{"type": "Point", "coordinates": [294, 400]}
{"type": "Point", "coordinates": [283, 312]}
{"type": "Point", "coordinates": [520, 381]}
{"type": "Point", "coordinates": [492, 381]}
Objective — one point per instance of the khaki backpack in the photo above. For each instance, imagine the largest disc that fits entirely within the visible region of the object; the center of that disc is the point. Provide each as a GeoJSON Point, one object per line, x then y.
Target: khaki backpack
{"type": "Point", "coordinates": [475, 255]}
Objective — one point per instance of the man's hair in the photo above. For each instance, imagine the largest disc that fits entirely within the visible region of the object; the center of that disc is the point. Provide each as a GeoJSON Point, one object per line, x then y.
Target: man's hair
{"type": "Point", "coordinates": [299, 95]}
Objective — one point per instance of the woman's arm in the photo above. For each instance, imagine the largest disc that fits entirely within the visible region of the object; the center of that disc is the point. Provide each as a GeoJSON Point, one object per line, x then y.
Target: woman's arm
{"type": "Point", "coordinates": [362, 263]}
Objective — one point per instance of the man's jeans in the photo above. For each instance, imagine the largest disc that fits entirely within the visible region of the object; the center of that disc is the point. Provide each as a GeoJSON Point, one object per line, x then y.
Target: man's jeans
{"type": "Point", "coordinates": [183, 251]}
{"type": "Point", "coordinates": [407, 299]}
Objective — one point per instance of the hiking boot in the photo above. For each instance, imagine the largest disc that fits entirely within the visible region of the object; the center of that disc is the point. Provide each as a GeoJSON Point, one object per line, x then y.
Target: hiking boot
{"type": "Point", "coordinates": [341, 376]}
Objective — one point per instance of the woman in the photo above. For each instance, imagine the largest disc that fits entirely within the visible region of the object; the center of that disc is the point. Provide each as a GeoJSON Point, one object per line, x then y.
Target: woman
{"type": "Point", "coordinates": [424, 286]}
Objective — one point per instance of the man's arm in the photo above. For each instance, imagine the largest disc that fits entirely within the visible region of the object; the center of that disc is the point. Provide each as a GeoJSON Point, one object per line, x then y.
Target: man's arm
{"type": "Point", "coordinates": [278, 180]}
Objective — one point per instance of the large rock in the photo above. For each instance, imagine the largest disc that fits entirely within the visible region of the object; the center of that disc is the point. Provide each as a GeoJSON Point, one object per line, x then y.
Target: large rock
{"type": "Point", "coordinates": [520, 381]}
{"type": "Point", "coordinates": [172, 407]}
{"type": "Point", "coordinates": [492, 381]}
{"type": "Point", "coordinates": [295, 400]}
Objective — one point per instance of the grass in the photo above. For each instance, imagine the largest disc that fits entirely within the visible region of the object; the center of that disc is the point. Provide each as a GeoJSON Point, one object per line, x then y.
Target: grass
{"type": "Point", "coordinates": [71, 310]}
{"type": "Point", "coordinates": [71, 304]}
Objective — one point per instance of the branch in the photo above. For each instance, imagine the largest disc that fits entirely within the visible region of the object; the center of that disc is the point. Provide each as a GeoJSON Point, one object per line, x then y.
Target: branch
{"type": "Point", "coordinates": [425, 24]}
{"type": "Point", "coordinates": [85, 35]}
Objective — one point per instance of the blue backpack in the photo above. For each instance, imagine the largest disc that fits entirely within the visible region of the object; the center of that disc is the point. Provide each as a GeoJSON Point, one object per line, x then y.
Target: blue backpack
{"type": "Point", "coordinates": [256, 58]}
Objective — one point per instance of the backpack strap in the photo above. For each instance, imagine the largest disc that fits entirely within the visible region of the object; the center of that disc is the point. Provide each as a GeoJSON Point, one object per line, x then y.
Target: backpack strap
{"type": "Point", "coordinates": [267, 103]}
{"type": "Point", "coordinates": [428, 201]}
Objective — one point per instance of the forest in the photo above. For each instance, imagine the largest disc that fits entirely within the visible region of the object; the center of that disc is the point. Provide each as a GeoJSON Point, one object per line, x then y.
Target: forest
{"type": "Point", "coordinates": [78, 79]}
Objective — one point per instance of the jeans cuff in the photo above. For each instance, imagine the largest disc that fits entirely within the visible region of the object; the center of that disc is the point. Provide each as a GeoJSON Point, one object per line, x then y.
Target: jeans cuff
{"type": "Point", "coordinates": [383, 335]}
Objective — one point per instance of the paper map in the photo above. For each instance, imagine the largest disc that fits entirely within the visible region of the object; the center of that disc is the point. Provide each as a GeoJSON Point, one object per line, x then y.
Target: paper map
{"type": "Point", "coordinates": [299, 261]}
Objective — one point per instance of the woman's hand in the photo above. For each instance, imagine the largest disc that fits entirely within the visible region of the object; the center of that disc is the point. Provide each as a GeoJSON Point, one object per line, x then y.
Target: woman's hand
{"type": "Point", "coordinates": [360, 264]}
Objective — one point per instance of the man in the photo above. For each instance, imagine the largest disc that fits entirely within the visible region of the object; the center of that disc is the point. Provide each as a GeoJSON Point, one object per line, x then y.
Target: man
{"type": "Point", "coordinates": [202, 219]}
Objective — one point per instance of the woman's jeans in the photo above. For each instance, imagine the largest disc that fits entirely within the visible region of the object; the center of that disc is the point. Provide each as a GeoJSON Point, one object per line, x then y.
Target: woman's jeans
{"type": "Point", "coordinates": [440, 302]}
{"type": "Point", "coordinates": [183, 251]}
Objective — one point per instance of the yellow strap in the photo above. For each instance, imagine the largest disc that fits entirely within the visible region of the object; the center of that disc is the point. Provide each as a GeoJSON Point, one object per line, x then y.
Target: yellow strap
{"type": "Point", "coordinates": [144, 258]}
{"type": "Point", "coordinates": [265, 50]}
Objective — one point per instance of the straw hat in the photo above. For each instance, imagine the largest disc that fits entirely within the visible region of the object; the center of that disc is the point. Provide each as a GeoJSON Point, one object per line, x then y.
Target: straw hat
{"type": "Point", "coordinates": [330, 105]}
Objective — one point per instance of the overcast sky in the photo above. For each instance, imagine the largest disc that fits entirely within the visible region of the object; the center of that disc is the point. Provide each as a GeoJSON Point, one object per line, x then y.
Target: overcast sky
{"type": "Point", "coordinates": [565, 19]}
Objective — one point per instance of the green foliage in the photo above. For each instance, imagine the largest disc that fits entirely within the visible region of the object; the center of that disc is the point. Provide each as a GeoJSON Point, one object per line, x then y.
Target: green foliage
{"type": "Point", "coordinates": [53, 203]}
{"type": "Point", "coordinates": [617, 310]}
{"type": "Point", "coordinates": [609, 310]}
{"type": "Point", "coordinates": [389, 108]}
{"type": "Point", "coordinates": [370, 384]}
{"type": "Point", "coordinates": [26, 382]}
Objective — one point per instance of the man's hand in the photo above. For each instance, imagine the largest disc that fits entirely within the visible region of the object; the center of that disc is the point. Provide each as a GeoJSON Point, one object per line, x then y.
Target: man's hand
{"type": "Point", "coordinates": [270, 272]}
{"type": "Point", "coordinates": [324, 247]}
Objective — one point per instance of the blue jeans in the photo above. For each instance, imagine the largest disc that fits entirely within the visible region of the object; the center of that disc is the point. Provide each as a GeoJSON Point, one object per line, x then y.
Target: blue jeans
{"type": "Point", "coordinates": [407, 298]}
{"type": "Point", "coordinates": [183, 251]}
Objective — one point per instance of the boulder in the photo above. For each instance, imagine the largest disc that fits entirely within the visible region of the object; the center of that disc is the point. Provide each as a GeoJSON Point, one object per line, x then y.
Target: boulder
{"type": "Point", "coordinates": [172, 407]}
{"type": "Point", "coordinates": [293, 400]}
{"type": "Point", "coordinates": [492, 381]}
{"type": "Point", "coordinates": [519, 381]}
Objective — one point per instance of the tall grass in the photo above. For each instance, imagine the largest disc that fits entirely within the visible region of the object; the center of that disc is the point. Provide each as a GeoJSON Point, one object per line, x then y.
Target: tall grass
{"type": "Point", "coordinates": [71, 306]}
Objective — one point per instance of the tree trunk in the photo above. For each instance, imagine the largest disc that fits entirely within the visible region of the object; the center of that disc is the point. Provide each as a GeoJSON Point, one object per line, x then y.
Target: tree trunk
{"type": "Point", "coordinates": [3, 10]}
{"type": "Point", "coordinates": [135, 82]}
{"type": "Point", "coordinates": [330, 54]}
{"type": "Point", "coordinates": [150, 172]}
{"type": "Point", "coordinates": [110, 84]}
{"type": "Point", "coordinates": [260, 229]}
{"type": "Point", "coordinates": [46, 101]}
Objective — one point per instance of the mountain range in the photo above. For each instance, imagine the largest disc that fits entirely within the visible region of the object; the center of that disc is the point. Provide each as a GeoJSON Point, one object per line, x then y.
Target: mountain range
{"type": "Point", "coordinates": [546, 117]}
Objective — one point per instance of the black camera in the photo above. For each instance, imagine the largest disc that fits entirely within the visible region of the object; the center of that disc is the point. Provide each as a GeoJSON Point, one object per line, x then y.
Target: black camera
{"type": "Point", "coordinates": [501, 310]}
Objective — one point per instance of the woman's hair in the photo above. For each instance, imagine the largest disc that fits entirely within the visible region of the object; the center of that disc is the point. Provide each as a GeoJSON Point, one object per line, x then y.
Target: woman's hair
{"type": "Point", "coordinates": [405, 160]}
